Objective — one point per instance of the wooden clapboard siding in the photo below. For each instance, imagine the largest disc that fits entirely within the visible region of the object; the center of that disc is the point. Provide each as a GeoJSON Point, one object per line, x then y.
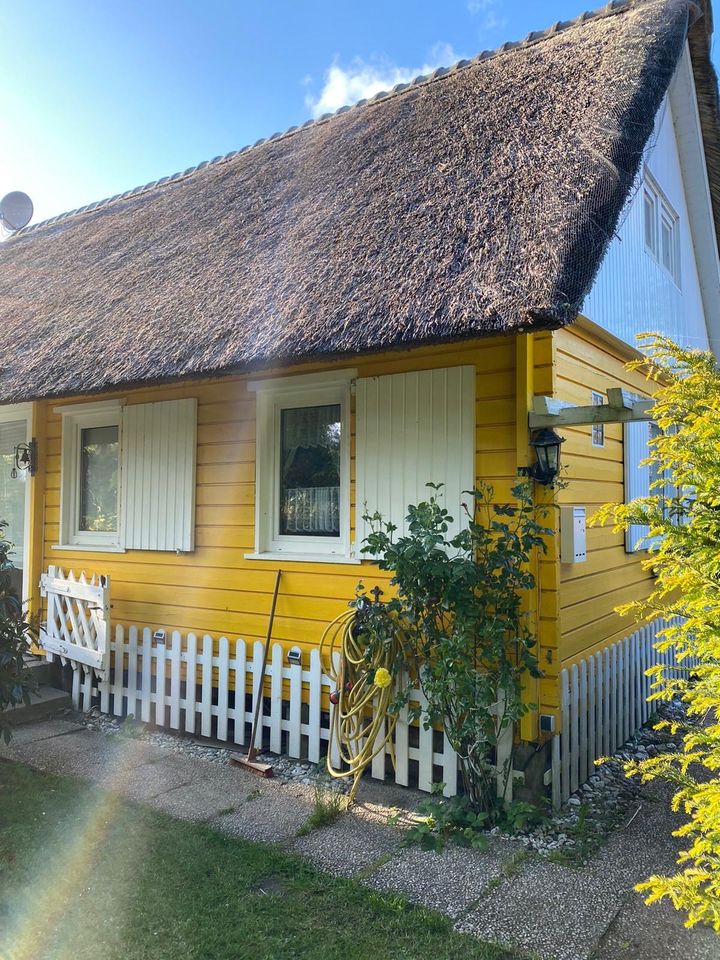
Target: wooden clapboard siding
{"type": "Point", "coordinates": [215, 589]}
{"type": "Point", "coordinates": [590, 591]}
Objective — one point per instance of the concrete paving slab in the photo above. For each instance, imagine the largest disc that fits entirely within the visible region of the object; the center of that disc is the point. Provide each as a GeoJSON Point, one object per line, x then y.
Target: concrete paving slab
{"type": "Point", "coordinates": [348, 845]}
{"type": "Point", "coordinates": [642, 932]}
{"type": "Point", "coordinates": [272, 813]}
{"type": "Point", "coordinates": [376, 802]}
{"type": "Point", "coordinates": [557, 912]}
{"type": "Point", "coordinates": [43, 730]}
{"type": "Point", "coordinates": [154, 777]}
{"type": "Point", "coordinates": [83, 754]}
{"type": "Point", "coordinates": [645, 845]}
{"type": "Point", "coordinates": [451, 881]}
{"type": "Point", "coordinates": [216, 792]}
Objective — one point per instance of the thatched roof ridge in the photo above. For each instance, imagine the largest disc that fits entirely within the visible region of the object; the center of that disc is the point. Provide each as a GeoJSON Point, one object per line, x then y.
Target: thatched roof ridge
{"type": "Point", "coordinates": [479, 200]}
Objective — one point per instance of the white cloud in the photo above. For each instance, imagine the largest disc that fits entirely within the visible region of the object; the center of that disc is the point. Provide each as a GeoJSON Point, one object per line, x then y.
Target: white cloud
{"type": "Point", "coordinates": [490, 20]}
{"type": "Point", "coordinates": [477, 6]}
{"type": "Point", "coordinates": [362, 79]}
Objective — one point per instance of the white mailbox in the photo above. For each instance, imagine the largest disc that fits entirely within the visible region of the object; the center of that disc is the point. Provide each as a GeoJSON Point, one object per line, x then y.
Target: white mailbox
{"type": "Point", "coordinates": [572, 535]}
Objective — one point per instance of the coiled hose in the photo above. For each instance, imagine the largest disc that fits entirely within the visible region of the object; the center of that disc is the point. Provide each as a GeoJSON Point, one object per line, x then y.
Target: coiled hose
{"type": "Point", "coordinates": [361, 725]}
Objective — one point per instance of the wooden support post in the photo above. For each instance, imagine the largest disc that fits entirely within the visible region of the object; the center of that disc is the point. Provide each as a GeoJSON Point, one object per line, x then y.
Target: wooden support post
{"type": "Point", "coordinates": [524, 392]}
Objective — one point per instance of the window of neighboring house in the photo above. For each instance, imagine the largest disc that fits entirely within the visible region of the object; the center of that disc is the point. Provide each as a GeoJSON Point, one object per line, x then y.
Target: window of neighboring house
{"type": "Point", "coordinates": [303, 467]}
{"type": "Point", "coordinates": [598, 429]}
{"type": "Point", "coordinates": [122, 468]}
{"type": "Point", "coordinates": [662, 229]}
{"type": "Point", "coordinates": [641, 478]}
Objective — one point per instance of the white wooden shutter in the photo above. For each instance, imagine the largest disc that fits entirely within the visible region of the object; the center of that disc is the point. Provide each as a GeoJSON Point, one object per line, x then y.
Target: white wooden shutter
{"type": "Point", "coordinates": [158, 475]}
{"type": "Point", "coordinates": [414, 428]}
{"type": "Point", "coordinates": [637, 478]}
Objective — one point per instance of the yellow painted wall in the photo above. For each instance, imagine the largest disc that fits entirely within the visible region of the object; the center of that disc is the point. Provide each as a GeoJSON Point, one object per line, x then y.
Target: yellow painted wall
{"type": "Point", "coordinates": [215, 589]}
{"type": "Point", "coordinates": [590, 591]}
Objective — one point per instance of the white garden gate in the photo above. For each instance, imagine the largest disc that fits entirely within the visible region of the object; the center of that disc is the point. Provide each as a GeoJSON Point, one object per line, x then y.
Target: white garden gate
{"type": "Point", "coordinates": [77, 626]}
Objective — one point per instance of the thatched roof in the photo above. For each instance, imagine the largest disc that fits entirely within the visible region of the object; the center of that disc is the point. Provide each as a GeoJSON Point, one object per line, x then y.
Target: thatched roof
{"type": "Point", "coordinates": [476, 201]}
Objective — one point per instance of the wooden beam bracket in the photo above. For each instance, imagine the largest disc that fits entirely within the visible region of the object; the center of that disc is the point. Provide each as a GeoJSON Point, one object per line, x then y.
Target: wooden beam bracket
{"type": "Point", "coordinates": [622, 407]}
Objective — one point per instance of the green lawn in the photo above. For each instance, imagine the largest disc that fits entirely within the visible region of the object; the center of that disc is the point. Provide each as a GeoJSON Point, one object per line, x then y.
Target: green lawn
{"type": "Point", "coordinates": [85, 875]}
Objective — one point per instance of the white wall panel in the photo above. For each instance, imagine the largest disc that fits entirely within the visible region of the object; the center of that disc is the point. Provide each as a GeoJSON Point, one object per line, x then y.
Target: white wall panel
{"type": "Point", "coordinates": [633, 294]}
{"type": "Point", "coordinates": [412, 429]}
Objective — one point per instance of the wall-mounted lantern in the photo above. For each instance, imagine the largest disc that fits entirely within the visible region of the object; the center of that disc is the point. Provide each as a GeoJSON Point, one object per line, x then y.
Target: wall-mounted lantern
{"type": "Point", "coordinates": [25, 456]}
{"type": "Point", "coordinates": [546, 444]}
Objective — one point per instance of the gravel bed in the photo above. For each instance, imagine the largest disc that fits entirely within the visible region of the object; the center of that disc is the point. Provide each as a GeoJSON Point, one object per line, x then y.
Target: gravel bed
{"type": "Point", "coordinates": [608, 800]}
{"type": "Point", "coordinates": [285, 769]}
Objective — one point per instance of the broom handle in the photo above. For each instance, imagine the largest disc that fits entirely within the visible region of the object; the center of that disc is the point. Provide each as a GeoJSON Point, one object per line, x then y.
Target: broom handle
{"type": "Point", "coordinates": [252, 751]}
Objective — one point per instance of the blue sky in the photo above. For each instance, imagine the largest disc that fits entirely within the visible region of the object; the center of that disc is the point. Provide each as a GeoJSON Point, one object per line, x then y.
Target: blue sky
{"type": "Point", "coordinates": [97, 97]}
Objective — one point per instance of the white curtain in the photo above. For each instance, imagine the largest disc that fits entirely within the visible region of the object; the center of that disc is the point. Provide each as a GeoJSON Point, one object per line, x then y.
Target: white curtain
{"type": "Point", "coordinates": [312, 510]}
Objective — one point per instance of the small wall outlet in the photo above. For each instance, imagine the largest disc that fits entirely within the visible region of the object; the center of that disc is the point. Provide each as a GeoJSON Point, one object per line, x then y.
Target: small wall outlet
{"type": "Point", "coordinates": [159, 636]}
{"type": "Point", "coordinates": [295, 655]}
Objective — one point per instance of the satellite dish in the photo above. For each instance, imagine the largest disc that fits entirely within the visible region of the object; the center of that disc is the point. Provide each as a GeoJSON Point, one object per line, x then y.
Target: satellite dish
{"type": "Point", "coordinates": [16, 211]}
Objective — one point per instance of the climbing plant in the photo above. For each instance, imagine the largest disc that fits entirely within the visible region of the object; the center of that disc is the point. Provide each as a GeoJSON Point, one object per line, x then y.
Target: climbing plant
{"type": "Point", "coordinates": [16, 635]}
{"type": "Point", "coordinates": [683, 516]}
{"type": "Point", "coordinates": [458, 607]}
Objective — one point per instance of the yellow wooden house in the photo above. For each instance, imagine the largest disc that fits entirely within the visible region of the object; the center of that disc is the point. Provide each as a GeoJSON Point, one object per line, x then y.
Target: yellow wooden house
{"type": "Point", "coordinates": [219, 369]}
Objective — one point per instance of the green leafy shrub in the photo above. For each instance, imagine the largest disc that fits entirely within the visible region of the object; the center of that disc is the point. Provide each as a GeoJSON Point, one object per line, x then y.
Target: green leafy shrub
{"type": "Point", "coordinates": [684, 522]}
{"type": "Point", "coordinates": [465, 634]}
{"type": "Point", "coordinates": [16, 636]}
{"type": "Point", "coordinates": [453, 819]}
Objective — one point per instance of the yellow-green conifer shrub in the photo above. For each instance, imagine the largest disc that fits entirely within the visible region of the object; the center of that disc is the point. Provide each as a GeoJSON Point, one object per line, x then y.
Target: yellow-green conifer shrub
{"type": "Point", "coordinates": [684, 515]}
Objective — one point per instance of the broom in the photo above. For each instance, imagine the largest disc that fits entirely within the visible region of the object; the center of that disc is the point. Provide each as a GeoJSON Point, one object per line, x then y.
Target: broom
{"type": "Point", "coordinates": [249, 762]}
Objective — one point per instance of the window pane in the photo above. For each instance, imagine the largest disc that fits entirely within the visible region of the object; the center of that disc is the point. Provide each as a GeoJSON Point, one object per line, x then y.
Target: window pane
{"type": "Point", "coordinates": [99, 479]}
{"type": "Point", "coordinates": [598, 429]}
{"type": "Point", "coordinates": [667, 251]}
{"type": "Point", "coordinates": [649, 208]}
{"type": "Point", "coordinates": [310, 471]}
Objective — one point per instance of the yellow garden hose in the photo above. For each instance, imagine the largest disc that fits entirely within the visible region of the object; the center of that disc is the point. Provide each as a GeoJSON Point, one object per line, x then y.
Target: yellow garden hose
{"type": "Point", "coordinates": [361, 726]}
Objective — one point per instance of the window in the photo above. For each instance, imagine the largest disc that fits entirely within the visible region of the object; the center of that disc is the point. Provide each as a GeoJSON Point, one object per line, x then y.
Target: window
{"type": "Point", "coordinates": [128, 475]}
{"type": "Point", "coordinates": [661, 227]}
{"type": "Point", "coordinates": [99, 463]}
{"type": "Point", "coordinates": [641, 479]}
{"type": "Point", "coordinates": [310, 444]}
{"type": "Point", "coordinates": [598, 429]}
{"type": "Point", "coordinates": [91, 475]}
{"type": "Point", "coordinates": [303, 467]}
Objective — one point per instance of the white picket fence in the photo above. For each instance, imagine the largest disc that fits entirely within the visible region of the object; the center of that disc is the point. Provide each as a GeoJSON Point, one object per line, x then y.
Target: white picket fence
{"type": "Point", "coordinates": [603, 701]}
{"type": "Point", "coordinates": [203, 688]}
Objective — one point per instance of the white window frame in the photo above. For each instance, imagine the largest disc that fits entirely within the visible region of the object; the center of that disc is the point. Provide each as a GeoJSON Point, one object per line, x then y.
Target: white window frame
{"type": "Point", "coordinates": [662, 212]}
{"type": "Point", "coordinates": [75, 419]}
{"type": "Point", "coordinates": [274, 396]}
